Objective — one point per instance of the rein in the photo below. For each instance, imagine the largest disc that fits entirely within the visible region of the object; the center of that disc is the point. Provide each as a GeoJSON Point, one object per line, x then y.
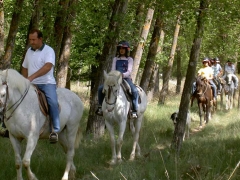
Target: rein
{"type": "Point", "coordinates": [16, 104]}
{"type": "Point", "coordinates": [109, 91]}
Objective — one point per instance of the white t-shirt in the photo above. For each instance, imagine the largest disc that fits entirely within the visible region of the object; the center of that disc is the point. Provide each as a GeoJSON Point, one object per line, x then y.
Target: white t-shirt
{"type": "Point", "coordinates": [35, 60]}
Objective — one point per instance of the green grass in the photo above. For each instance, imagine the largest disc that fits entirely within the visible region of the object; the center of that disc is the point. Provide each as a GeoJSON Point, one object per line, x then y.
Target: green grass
{"type": "Point", "coordinates": [210, 153]}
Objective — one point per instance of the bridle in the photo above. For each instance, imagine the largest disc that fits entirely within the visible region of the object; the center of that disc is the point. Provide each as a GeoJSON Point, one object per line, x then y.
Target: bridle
{"type": "Point", "coordinates": [110, 89]}
{"type": "Point", "coordinates": [206, 87]}
{"type": "Point", "coordinates": [15, 105]}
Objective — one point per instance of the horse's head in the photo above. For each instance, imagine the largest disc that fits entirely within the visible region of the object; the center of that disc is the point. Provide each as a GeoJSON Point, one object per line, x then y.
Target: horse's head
{"type": "Point", "coordinates": [200, 84]}
{"type": "Point", "coordinates": [112, 82]}
{"type": "Point", "coordinates": [229, 77]}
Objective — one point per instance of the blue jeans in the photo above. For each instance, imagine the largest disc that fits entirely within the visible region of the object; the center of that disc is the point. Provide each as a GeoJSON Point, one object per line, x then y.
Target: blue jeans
{"type": "Point", "coordinates": [134, 91]}
{"type": "Point", "coordinates": [214, 88]}
{"type": "Point", "coordinates": [51, 95]}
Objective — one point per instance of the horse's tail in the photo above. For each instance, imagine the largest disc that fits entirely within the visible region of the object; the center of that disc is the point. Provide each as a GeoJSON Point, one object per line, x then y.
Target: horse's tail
{"type": "Point", "coordinates": [78, 138]}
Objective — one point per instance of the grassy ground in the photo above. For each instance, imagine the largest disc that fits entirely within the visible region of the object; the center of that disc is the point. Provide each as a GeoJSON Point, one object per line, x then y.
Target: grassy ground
{"type": "Point", "coordinates": [211, 153]}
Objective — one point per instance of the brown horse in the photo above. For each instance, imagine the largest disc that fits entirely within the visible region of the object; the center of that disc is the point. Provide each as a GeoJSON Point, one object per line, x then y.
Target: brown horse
{"type": "Point", "coordinates": [204, 96]}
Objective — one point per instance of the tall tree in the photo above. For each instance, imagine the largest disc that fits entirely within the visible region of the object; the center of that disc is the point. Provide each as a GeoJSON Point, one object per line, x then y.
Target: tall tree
{"type": "Point", "coordinates": [150, 62]}
{"type": "Point", "coordinates": [62, 68]}
{"type": "Point", "coordinates": [190, 76]}
{"type": "Point", "coordinates": [6, 60]}
{"type": "Point", "coordinates": [95, 123]}
{"type": "Point", "coordinates": [139, 22]}
{"type": "Point", "coordinates": [140, 46]}
{"type": "Point", "coordinates": [179, 71]}
{"type": "Point", "coordinates": [59, 25]}
{"type": "Point", "coordinates": [168, 71]}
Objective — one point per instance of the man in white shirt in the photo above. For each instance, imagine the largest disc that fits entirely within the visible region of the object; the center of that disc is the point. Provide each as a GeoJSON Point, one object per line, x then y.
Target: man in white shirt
{"type": "Point", "coordinates": [38, 68]}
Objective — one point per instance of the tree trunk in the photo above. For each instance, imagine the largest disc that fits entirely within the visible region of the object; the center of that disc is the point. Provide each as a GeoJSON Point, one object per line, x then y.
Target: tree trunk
{"type": "Point", "coordinates": [139, 23]}
{"type": "Point", "coordinates": [179, 72]}
{"type": "Point", "coordinates": [140, 47]}
{"type": "Point", "coordinates": [96, 124]}
{"type": "Point", "coordinates": [59, 25]}
{"type": "Point", "coordinates": [1, 29]}
{"type": "Point", "coordinates": [194, 56]}
{"type": "Point", "coordinates": [34, 23]}
{"type": "Point", "coordinates": [154, 83]}
{"type": "Point", "coordinates": [62, 68]}
{"type": "Point", "coordinates": [149, 67]}
{"type": "Point", "coordinates": [6, 61]}
{"type": "Point", "coordinates": [168, 71]}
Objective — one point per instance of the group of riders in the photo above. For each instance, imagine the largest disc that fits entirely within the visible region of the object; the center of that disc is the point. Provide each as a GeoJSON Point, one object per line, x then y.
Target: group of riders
{"type": "Point", "coordinates": [216, 75]}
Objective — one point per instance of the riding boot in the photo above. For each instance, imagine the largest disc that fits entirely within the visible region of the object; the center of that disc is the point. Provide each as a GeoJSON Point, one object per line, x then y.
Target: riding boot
{"type": "Point", "coordinates": [135, 97]}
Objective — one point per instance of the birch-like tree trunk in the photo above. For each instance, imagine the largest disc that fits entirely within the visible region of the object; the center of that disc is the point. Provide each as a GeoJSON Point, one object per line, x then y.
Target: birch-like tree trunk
{"type": "Point", "coordinates": [139, 22]}
{"type": "Point", "coordinates": [149, 67]}
{"type": "Point", "coordinates": [168, 71]}
{"type": "Point", "coordinates": [140, 47]}
{"type": "Point", "coordinates": [96, 124]}
{"type": "Point", "coordinates": [6, 60]}
{"type": "Point", "coordinates": [190, 77]}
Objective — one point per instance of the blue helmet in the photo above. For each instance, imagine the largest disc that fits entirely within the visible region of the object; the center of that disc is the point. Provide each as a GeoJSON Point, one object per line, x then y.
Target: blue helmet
{"type": "Point", "coordinates": [123, 44]}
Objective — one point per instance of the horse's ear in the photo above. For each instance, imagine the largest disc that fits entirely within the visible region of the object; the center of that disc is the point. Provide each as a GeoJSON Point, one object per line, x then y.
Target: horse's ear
{"type": "Point", "coordinates": [120, 78]}
{"type": "Point", "coordinates": [105, 74]}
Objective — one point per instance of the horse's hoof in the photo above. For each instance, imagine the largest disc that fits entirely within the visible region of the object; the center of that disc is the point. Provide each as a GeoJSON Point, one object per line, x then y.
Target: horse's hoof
{"type": "Point", "coordinates": [132, 157]}
{"type": "Point", "coordinates": [119, 161]}
{"type": "Point", "coordinates": [111, 162]}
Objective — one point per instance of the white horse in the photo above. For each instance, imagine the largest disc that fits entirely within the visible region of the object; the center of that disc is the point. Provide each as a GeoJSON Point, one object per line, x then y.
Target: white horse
{"type": "Point", "coordinates": [115, 110]}
{"type": "Point", "coordinates": [24, 120]}
{"type": "Point", "coordinates": [229, 91]}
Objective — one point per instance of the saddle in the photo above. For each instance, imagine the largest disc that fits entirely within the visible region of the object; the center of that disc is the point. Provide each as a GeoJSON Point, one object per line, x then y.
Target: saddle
{"type": "Point", "coordinates": [127, 91]}
{"type": "Point", "coordinates": [42, 101]}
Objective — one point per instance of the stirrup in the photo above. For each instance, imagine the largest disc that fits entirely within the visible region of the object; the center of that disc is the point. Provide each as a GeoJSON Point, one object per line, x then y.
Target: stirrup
{"type": "Point", "coordinates": [53, 137]}
{"type": "Point", "coordinates": [134, 115]}
{"type": "Point", "coordinates": [99, 111]}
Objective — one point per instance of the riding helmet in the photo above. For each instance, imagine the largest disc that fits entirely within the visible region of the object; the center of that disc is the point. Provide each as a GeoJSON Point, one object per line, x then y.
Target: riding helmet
{"type": "Point", "coordinates": [124, 44]}
{"type": "Point", "coordinates": [205, 59]}
{"type": "Point", "coordinates": [216, 59]}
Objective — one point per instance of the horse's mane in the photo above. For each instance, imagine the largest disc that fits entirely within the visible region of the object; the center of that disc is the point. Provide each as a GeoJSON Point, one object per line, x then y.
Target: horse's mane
{"type": "Point", "coordinates": [114, 77]}
{"type": "Point", "coordinates": [14, 79]}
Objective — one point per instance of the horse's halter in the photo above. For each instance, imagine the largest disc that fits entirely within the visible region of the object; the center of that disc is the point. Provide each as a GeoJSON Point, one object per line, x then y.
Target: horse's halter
{"type": "Point", "coordinates": [206, 87]}
{"type": "Point", "coordinates": [110, 90]}
{"type": "Point", "coordinates": [16, 104]}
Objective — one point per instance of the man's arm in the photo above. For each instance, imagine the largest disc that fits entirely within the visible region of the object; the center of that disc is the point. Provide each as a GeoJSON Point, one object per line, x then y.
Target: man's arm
{"type": "Point", "coordinates": [24, 72]}
{"type": "Point", "coordinates": [45, 69]}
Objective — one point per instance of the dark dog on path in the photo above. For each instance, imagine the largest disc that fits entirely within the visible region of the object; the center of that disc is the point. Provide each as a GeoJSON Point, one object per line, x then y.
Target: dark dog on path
{"type": "Point", "coordinates": [174, 118]}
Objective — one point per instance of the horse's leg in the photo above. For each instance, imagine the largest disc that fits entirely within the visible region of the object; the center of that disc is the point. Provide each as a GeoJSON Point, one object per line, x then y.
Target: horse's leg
{"type": "Point", "coordinates": [207, 110]}
{"type": "Point", "coordinates": [227, 101]}
{"type": "Point", "coordinates": [18, 161]}
{"type": "Point", "coordinates": [111, 133]}
{"type": "Point", "coordinates": [67, 140]}
{"type": "Point", "coordinates": [138, 123]}
{"type": "Point", "coordinates": [122, 127]}
{"type": "Point", "coordinates": [200, 113]}
{"type": "Point", "coordinates": [132, 127]}
{"type": "Point", "coordinates": [31, 144]}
